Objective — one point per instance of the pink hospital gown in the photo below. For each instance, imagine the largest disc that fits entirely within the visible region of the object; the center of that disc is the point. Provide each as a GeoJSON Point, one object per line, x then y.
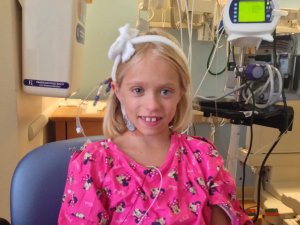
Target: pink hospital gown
{"type": "Point", "coordinates": [104, 186]}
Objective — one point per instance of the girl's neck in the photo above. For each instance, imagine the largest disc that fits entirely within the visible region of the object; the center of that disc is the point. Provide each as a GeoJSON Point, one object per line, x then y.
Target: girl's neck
{"type": "Point", "coordinates": [146, 150]}
{"type": "Point", "coordinates": [149, 139]}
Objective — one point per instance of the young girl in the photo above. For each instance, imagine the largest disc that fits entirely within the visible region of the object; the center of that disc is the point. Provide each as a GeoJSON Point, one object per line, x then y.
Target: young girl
{"type": "Point", "coordinates": [147, 171]}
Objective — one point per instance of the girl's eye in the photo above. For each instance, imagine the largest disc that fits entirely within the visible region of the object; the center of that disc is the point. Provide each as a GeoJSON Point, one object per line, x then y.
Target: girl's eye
{"type": "Point", "coordinates": [137, 91]}
{"type": "Point", "coordinates": [165, 92]}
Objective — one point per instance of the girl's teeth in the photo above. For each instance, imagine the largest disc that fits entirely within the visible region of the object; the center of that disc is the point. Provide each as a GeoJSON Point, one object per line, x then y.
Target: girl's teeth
{"type": "Point", "coordinates": [153, 120]}
{"type": "Point", "coordinates": [148, 119]}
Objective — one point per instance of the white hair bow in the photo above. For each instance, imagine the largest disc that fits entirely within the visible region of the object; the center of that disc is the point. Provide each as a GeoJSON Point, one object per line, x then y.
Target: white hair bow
{"type": "Point", "coordinates": [122, 46]}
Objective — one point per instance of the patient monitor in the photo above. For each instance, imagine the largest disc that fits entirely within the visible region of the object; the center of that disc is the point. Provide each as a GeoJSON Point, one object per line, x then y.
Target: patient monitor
{"type": "Point", "coordinates": [247, 22]}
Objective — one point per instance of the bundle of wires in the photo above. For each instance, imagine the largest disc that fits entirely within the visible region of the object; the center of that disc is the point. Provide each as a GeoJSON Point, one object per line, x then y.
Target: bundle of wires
{"type": "Point", "coordinates": [266, 91]}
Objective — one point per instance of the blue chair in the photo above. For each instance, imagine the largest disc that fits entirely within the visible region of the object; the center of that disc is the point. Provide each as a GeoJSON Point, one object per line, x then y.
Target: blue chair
{"type": "Point", "coordinates": [38, 183]}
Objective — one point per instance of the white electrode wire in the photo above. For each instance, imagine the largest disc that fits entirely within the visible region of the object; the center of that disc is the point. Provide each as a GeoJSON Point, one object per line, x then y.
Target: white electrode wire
{"type": "Point", "coordinates": [258, 91]}
{"type": "Point", "coordinates": [154, 200]}
{"type": "Point", "coordinates": [216, 76]}
{"type": "Point", "coordinates": [180, 23]}
{"type": "Point", "coordinates": [271, 92]}
{"type": "Point", "coordinates": [152, 15]}
{"type": "Point", "coordinates": [189, 34]}
{"type": "Point", "coordinates": [79, 128]}
{"type": "Point", "coordinates": [151, 9]}
{"type": "Point", "coordinates": [209, 29]}
{"type": "Point", "coordinates": [247, 94]}
{"type": "Point", "coordinates": [220, 28]}
{"type": "Point", "coordinates": [263, 148]}
{"type": "Point", "coordinates": [209, 66]}
{"type": "Point", "coordinates": [213, 129]}
{"type": "Point", "coordinates": [220, 11]}
{"type": "Point", "coordinates": [163, 17]}
{"type": "Point", "coordinates": [223, 96]}
{"type": "Point", "coordinates": [222, 122]}
{"type": "Point", "coordinates": [273, 96]}
{"type": "Point", "coordinates": [269, 84]}
{"type": "Point", "coordinates": [226, 74]}
{"type": "Point", "coordinates": [280, 84]}
{"type": "Point", "coordinates": [187, 16]}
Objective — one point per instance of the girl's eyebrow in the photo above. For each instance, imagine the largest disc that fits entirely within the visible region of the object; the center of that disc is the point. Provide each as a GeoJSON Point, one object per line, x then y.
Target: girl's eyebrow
{"type": "Point", "coordinates": [142, 83]}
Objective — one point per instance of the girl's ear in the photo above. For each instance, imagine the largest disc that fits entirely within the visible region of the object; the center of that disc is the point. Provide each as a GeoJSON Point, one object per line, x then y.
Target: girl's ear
{"type": "Point", "coordinates": [115, 89]}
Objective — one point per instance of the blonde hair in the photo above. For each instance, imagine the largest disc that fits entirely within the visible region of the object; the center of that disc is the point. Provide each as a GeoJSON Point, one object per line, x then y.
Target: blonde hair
{"type": "Point", "coordinates": [114, 124]}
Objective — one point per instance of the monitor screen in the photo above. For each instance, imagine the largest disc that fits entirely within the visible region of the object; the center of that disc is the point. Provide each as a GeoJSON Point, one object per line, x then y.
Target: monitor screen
{"type": "Point", "coordinates": [252, 11]}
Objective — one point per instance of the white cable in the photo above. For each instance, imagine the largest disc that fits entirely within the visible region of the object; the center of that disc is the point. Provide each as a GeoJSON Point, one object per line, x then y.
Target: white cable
{"type": "Point", "coordinates": [260, 90]}
{"type": "Point", "coordinates": [152, 14]}
{"type": "Point", "coordinates": [187, 15]}
{"type": "Point", "coordinates": [223, 96]}
{"type": "Point", "coordinates": [213, 129]}
{"type": "Point", "coordinates": [263, 148]}
{"type": "Point", "coordinates": [154, 200]}
{"type": "Point", "coordinates": [189, 31]}
{"type": "Point", "coordinates": [269, 86]}
{"type": "Point", "coordinates": [163, 17]}
{"type": "Point", "coordinates": [79, 128]}
{"type": "Point", "coordinates": [247, 95]}
{"type": "Point", "coordinates": [191, 35]}
{"type": "Point", "coordinates": [209, 29]}
{"type": "Point", "coordinates": [216, 77]}
{"type": "Point", "coordinates": [271, 93]}
{"type": "Point", "coordinates": [222, 122]}
{"type": "Point", "coordinates": [180, 23]}
{"type": "Point", "coordinates": [280, 85]}
{"type": "Point", "coordinates": [209, 66]}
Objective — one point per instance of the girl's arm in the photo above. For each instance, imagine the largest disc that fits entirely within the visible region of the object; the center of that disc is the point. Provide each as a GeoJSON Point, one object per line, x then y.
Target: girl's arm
{"type": "Point", "coordinates": [219, 217]}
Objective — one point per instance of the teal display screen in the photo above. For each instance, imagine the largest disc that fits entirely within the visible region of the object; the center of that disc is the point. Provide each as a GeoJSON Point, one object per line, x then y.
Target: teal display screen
{"type": "Point", "coordinates": [252, 11]}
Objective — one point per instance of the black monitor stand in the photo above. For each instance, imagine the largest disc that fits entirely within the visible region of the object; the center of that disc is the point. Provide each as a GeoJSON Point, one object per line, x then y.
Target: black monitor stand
{"type": "Point", "coordinates": [276, 116]}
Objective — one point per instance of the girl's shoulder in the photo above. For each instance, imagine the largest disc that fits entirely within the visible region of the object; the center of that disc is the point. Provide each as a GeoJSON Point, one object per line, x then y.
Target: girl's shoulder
{"type": "Point", "coordinates": [93, 149]}
{"type": "Point", "coordinates": [194, 140]}
{"type": "Point", "coordinates": [93, 156]}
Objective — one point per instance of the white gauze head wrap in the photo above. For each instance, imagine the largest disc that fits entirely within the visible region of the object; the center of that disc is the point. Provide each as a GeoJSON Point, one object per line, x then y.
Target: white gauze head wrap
{"type": "Point", "coordinates": [122, 49]}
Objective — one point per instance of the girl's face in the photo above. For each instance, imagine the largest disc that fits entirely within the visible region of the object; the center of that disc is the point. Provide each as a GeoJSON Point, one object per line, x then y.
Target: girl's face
{"type": "Point", "coordinates": [149, 93]}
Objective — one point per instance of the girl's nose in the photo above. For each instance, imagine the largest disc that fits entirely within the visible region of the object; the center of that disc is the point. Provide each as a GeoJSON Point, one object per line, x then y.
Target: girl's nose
{"type": "Point", "coordinates": [152, 102]}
